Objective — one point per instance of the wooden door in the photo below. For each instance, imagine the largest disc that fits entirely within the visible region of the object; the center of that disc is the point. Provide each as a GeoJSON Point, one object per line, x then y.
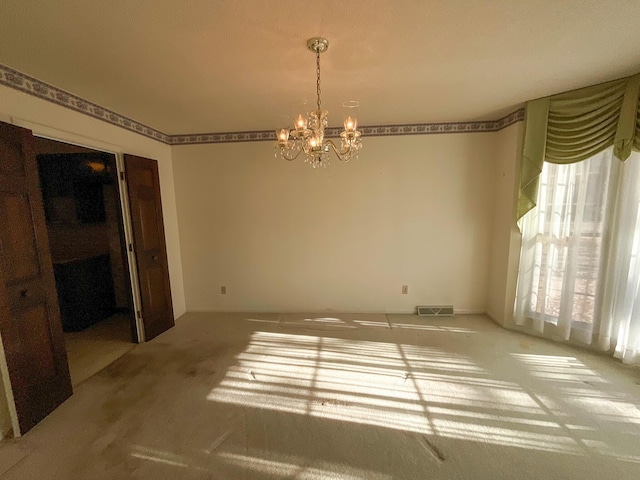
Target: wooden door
{"type": "Point", "coordinates": [149, 244]}
{"type": "Point", "coordinates": [29, 314]}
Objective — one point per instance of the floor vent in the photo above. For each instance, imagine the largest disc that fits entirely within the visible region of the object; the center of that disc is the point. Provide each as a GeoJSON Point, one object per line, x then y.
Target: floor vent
{"type": "Point", "coordinates": [435, 310]}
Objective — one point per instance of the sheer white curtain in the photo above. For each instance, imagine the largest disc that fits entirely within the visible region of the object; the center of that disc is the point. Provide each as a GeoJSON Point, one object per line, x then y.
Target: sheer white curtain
{"type": "Point", "coordinates": [620, 312]}
{"type": "Point", "coordinates": [579, 272]}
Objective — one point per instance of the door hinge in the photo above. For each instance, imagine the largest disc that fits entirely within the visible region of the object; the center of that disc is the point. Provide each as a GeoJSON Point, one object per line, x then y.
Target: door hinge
{"type": "Point", "coordinates": [138, 314]}
{"type": "Point", "coordinates": [122, 176]}
{"type": "Point", "coordinates": [130, 247]}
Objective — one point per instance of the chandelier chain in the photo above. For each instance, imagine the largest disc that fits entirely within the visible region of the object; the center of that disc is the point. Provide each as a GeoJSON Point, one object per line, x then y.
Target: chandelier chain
{"type": "Point", "coordinates": [318, 76]}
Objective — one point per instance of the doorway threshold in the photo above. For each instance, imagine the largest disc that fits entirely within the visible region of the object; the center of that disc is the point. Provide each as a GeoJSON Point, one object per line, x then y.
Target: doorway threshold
{"type": "Point", "coordinates": [98, 346]}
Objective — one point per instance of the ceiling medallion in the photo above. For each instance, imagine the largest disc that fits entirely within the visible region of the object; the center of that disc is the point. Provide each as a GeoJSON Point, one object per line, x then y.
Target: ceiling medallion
{"type": "Point", "coordinates": [307, 134]}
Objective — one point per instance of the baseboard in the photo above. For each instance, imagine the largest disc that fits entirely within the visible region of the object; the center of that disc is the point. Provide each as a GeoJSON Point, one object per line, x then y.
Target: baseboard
{"type": "Point", "coordinates": [5, 432]}
{"type": "Point", "coordinates": [494, 318]}
{"type": "Point", "coordinates": [304, 310]}
{"type": "Point", "coordinates": [332, 311]}
{"type": "Point", "coordinates": [468, 312]}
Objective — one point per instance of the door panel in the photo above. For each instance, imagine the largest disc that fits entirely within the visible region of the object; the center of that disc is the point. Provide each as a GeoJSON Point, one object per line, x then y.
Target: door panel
{"type": "Point", "coordinates": [33, 324]}
{"type": "Point", "coordinates": [148, 221]}
{"type": "Point", "coordinates": [19, 242]}
{"type": "Point", "coordinates": [11, 153]}
{"type": "Point", "coordinates": [149, 244]}
{"type": "Point", "coordinates": [155, 283]}
{"type": "Point", "coordinates": [29, 313]}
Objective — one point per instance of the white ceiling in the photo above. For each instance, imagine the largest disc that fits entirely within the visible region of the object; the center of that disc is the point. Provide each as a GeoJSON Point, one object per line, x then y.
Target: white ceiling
{"type": "Point", "coordinates": [200, 66]}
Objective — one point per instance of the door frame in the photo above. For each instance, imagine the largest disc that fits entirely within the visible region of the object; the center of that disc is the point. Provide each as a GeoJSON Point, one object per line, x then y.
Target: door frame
{"type": "Point", "coordinates": [126, 223]}
{"type": "Point", "coordinates": [131, 254]}
{"type": "Point", "coordinates": [61, 136]}
{"type": "Point", "coordinates": [72, 138]}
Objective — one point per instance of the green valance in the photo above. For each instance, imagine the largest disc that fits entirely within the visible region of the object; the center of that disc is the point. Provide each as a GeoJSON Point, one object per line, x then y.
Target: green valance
{"type": "Point", "coordinates": [573, 126]}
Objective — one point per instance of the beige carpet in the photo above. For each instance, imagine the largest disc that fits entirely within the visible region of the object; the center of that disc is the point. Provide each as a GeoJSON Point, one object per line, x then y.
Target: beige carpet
{"type": "Point", "coordinates": [331, 396]}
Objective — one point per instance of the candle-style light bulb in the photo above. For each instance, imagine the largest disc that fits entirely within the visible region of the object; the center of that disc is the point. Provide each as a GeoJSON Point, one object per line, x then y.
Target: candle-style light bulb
{"type": "Point", "coordinates": [349, 124]}
{"type": "Point", "coordinates": [283, 135]}
{"type": "Point", "coordinates": [350, 112]}
{"type": "Point", "coordinates": [300, 122]}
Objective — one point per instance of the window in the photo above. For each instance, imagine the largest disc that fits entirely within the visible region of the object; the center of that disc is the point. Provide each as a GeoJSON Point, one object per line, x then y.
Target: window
{"type": "Point", "coordinates": [579, 275]}
{"type": "Point", "coordinates": [572, 215]}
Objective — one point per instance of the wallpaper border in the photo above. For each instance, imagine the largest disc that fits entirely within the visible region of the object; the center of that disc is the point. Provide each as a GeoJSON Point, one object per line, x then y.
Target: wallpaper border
{"type": "Point", "coordinates": [367, 131]}
{"type": "Point", "coordinates": [25, 83]}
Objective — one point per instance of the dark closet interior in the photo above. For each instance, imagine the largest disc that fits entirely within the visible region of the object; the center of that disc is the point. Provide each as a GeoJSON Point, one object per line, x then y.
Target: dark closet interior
{"type": "Point", "coordinates": [86, 234]}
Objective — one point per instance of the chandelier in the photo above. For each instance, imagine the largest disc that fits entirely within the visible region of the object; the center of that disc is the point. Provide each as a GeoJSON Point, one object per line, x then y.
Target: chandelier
{"type": "Point", "coordinates": [308, 133]}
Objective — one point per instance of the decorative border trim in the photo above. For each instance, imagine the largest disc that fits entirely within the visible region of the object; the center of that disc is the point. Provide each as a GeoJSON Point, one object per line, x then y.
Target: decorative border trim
{"type": "Point", "coordinates": [447, 127]}
{"type": "Point", "coordinates": [32, 86]}
{"type": "Point", "coordinates": [367, 131]}
{"type": "Point", "coordinates": [225, 137]}
{"type": "Point", "coordinates": [27, 84]}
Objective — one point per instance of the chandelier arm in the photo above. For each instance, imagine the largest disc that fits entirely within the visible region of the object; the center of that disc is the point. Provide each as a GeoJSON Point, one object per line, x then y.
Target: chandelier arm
{"type": "Point", "coordinates": [284, 153]}
{"type": "Point", "coordinates": [286, 157]}
{"type": "Point", "coordinates": [339, 153]}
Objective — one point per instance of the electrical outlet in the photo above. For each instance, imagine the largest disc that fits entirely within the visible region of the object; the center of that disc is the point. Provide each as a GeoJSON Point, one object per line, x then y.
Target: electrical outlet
{"type": "Point", "coordinates": [223, 289]}
{"type": "Point", "coordinates": [405, 289]}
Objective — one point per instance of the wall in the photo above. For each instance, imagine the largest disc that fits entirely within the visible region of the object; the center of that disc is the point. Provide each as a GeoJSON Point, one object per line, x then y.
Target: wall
{"type": "Point", "coordinates": [413, 210]}
{"type": "Point", "coordinates": [48, 119]}
{"type": "Point", "coordinates": [505, 246]}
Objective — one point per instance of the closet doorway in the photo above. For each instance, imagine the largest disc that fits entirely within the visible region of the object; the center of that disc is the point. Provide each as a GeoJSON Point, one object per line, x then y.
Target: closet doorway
{"type": "Point", "coordinates": [83, 211]}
